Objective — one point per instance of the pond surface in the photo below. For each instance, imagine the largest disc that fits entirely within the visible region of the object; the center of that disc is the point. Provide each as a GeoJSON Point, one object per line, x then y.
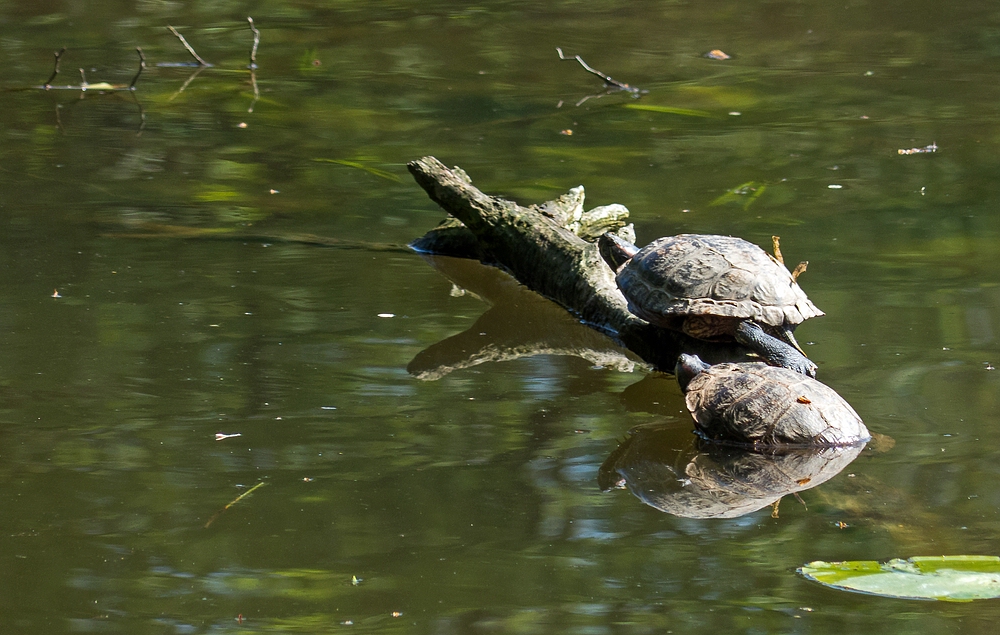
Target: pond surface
{"type": "Point", "coordinates": [163, 283]}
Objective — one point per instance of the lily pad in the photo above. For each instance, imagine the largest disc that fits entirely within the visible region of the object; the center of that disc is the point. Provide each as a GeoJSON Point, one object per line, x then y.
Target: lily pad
{"type": "Point", "coordinates": [948, 578]}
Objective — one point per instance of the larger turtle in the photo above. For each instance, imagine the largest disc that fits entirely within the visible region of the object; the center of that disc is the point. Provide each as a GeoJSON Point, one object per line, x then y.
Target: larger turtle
{"type": "Point", "coordinates": [715, 288]}
{"type": "Point", "coordinates": [763, 406]}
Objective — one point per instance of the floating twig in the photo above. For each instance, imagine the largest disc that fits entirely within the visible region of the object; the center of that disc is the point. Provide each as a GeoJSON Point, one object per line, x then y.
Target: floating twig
{"type": "Point", "coordinates": [931, 148]}
{"type": "Point", "coordinates": [142, 67]}
{"type": "Point", "coordinates": [84, 85]}
{"type": "Point", "coordinates": [190, 50]}
{"type": "Point", "coordinates": [609, 82]}
{"type": "Point", "coordinates": [233, 502]}
{"type": "Point", "coordinates": [256, 43]}
{"type": "Point", "coordinates": [55, 69]}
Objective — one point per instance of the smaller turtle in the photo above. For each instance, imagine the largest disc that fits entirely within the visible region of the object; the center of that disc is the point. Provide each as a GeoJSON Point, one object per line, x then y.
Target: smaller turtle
{"type": "Point", "coordinates": [763, 406]}
{"type": "Point", "coordinates": [715, 288]}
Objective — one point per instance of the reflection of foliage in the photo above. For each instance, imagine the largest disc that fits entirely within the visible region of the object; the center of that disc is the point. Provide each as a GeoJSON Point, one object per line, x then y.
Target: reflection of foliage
{"type": "Point", "coordinates": [310, 62]}
{"type": "Point", "coordinates": [389, 176]}
{"type": "Point", "coordinates": [748, 192]}
{"type": "Point", "coordinates": [669, 110]}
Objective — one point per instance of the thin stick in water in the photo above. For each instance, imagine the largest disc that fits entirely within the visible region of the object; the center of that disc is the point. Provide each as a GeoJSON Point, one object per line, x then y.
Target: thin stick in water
{"type": "Point", "coordinates": [142, 67]}
{"type": "Point", "coordinates": [608, 80]}
{"type": "Point", "coordinates": [190, 50]}
{"type": "Point", "coordinates": [256, 43]}
{"type": "Point", "coordinates": [233, 502]}
{"type": "Point", "coordinates": [55, 69]}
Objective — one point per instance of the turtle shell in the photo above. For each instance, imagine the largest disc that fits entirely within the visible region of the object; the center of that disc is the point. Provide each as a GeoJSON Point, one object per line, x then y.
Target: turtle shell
{"type": "Point", "coordinates": [722, 276]}
{"type": "Point", "coordinates": [767, 406]}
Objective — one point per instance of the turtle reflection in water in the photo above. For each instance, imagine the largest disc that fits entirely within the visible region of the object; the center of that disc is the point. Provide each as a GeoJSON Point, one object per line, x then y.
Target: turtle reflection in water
{"type": "Point", "coordinates": [708, 480]}
{"type": "Point", "coordinates": [763, 406]}
{"type": "Point", "coordinates": [715, 288]}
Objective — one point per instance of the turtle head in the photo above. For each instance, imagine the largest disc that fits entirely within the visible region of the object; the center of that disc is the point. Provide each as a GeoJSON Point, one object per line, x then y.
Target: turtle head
{"type": "Point", "coordinates": [687, 368]}
{"type": "Point", "coordinates": [615, 250]}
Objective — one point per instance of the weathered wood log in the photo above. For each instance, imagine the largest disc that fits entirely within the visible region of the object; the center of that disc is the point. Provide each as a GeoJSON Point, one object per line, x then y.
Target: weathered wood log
{"type": "Point", "coordinates": [542, 247]}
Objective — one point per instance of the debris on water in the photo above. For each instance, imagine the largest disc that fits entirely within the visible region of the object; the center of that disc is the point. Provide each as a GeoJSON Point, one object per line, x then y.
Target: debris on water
{"type": "Point", "coordinates": [219, 436]}
{"type": "Point", "coordinates": [233, 502]}
{"type": "Point", "coordinates": [931, 148]}
{"type": "Point", "coordinates": [716, 54]}
{"type": "Point", "coordinates": [610, 84]}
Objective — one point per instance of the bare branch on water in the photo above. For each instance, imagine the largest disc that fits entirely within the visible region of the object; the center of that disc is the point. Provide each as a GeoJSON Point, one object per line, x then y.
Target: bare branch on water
{"type": "Point", "coordinates": [256, 43]}
{"type": "Point", "coordinates": [55, 69]}
{"type": "Point", "coordinates": [190, 50]}
{"type": "Point", "coordinates": [142, 67]}
{"type": "Point", "coordinates": [609, 82]}
{"type": "Point", "coordinates": [253, 64]}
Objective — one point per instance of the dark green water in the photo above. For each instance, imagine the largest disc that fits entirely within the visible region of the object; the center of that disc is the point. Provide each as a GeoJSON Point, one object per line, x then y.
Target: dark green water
{"type": "Point", "coordinates": [469, 503]}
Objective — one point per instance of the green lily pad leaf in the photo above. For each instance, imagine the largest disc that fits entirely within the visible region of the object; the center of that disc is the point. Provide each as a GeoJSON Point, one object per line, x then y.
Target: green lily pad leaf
{"type": "Point", "coordinates": [949, 578]}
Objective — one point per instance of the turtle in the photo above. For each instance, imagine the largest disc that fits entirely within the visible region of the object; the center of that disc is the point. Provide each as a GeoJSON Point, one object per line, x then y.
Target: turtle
{"type": "Point", "coordinates": [761, 406]}
{"type": "Point", "coordinates": [715, 288]}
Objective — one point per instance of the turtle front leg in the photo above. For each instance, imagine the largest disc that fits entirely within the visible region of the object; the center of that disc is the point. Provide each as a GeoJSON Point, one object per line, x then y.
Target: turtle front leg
{"type": "Point", "coordinates": [772, 350]}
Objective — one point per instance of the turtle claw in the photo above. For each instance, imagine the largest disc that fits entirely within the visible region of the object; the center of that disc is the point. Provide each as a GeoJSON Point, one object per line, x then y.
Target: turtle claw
{"type": "Point", "coordinates": [772, 350]}
{"type": "Point", "coordinates": [802, 365]}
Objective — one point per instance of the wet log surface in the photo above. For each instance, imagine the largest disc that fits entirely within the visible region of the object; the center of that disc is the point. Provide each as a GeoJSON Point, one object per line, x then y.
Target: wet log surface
{"type": "Point", "coordinates": [549, 249]}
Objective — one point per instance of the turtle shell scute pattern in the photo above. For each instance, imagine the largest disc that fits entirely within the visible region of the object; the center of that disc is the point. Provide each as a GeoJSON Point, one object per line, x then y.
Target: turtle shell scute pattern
{"type": "Point", "coordinates": [694, 274]}
{"type": "Point", "coordinates": [766, 406]}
